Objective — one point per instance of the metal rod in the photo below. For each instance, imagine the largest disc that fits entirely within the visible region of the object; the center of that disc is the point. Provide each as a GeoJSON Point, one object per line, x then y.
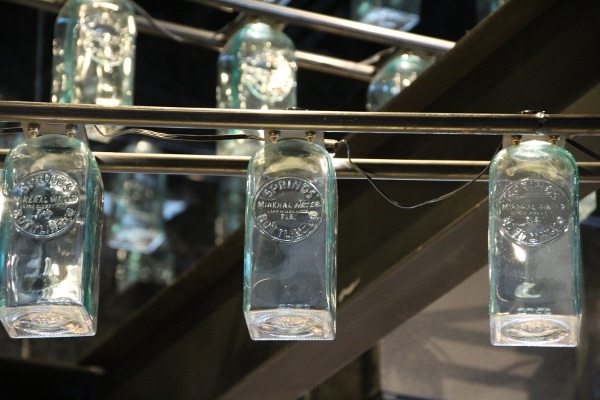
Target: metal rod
{"type": "Point", "coordinates": [332, 121]}
{"type": "Point", "coordinates": [378, 169]}
{"type": "Point", "coordinates": [215, 41]}
{"type": "Point", "coordinates": [331, 24]}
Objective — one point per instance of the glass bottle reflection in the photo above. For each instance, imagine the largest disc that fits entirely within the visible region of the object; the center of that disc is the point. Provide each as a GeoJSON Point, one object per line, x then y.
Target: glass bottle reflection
{"type": "Point", "coordinates": [156, 268]}
{"type": "Point", "coordinates": [51, 232]}
{"type": "Point", "coordinates": [137, 223]}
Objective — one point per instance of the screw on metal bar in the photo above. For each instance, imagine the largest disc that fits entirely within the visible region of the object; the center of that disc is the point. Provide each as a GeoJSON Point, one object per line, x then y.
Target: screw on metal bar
{"type": "Point", "coordinates": [310, 136]}
{"type": "Point", "coordinates": [33, 130]}
{"type": "Point", "coordinates": [516, 139]}
{"type": "Point", "coordinates": [542, 119]}
{"type": "Point", "coordinates": [274, 135]}
{"type": "Point", "coordinates": [71, 130]}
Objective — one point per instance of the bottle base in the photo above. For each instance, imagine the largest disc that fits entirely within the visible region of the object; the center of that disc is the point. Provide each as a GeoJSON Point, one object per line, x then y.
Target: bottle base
{"type": "Point", "coordinates": [47, 321]}
{"type": "Point", "coordinates": [290, 324]}
{"type": "Point", "coordinates": [535, 330]}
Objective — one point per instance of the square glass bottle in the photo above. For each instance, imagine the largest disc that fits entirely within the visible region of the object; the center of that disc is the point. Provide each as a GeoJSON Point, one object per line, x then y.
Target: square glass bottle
{"type": "Point", "coordinates": [534, 251]}
{"type": "Point", "coordinates": [290, 242]}
{"type": "Point", "coordinates": [51, 230]}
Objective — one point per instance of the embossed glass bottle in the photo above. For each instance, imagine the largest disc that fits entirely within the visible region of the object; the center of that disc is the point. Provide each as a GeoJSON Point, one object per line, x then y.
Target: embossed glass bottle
{"type": "Point", "coordinates": [137, 222]}
{"type": "Point", "coordinates": [51, 230]}
{"type": "Point", "coordinates": [534, 250]}
{"type": "Point", "coordinates": [395, 76]}
{"type": "Point", "coordinates": [393, 14]}
{"type": "Point", "coordinates": [256, 70]}
{"type": "Point", "coordinates": [94, 55]}
{"type": "Point", "coordinates": [290, 242]}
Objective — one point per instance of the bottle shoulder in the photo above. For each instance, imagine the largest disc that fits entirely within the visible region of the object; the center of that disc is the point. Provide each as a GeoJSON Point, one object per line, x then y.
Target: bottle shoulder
{"type": "Point", "coordinates": [49, 152]}
{"type": "Point", "coordinates": [291, 156]}
{"type": "Point", "coordinates": [257, 33]}
{"type": "Point", "coordinates": [533, 151]}
{"type": "Point", "coordinates": [405, 63]}
{"type": "Point", "coordinates": [536, 160]}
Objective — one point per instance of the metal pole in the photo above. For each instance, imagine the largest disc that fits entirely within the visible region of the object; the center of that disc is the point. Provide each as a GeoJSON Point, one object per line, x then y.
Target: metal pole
{"type": "Point", "coordinates": [331, 24]}
{"type": "Point", "coordinates": [331, 121]}
{"type": "Point", "coordinates": [378, 169]}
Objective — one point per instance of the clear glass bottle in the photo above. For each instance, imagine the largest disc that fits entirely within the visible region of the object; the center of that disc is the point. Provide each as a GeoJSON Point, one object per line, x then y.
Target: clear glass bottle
{"type": "Point", "coordinates": [137, 222]}
{"type": "Point", "coordinates": [534, 255]}
{"type": "Point", "coordinates": [393, 14]}
{"type": "Point", "coordinates": [51, 231]}
{"type": "Point", "coordinates": [395, 76]}
{"type": "Point", "coordinates": [290, 242]}
{"type": "Point", "coordinates": [94, 56]}
{"type": "Point", "coordinates": [256, 70]}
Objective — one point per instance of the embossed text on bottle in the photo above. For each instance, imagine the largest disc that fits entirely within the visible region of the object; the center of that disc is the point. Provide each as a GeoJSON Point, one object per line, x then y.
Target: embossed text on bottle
{"type": "Point", "coordinates": [45, 203]}
{"type": "Point", "coordinates": [533, 211]}
{"type": "Point", "coordinates": [288, 209]}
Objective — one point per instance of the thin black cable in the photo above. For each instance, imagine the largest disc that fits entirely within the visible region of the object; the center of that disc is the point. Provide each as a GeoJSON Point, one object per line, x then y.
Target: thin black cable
{"type": "Point", "coordinates": [412, 206]}
{"type": "Point", "coordinates": [180, 136]}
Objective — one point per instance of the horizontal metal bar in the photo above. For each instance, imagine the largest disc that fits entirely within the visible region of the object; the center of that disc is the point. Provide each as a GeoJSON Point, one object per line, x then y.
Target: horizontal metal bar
{"type": "Point", "coordinates": [378, 169]}
{"type": "Point", "coordinates": [332, 121]}
{"type": "Point", "coordinates": [331, 24]}
{"type": "Point", "coordinates": [335, 66]}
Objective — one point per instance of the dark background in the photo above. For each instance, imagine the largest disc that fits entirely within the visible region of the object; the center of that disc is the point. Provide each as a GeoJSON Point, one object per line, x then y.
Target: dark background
{"type": "Point", "coordinates": [173, 74]}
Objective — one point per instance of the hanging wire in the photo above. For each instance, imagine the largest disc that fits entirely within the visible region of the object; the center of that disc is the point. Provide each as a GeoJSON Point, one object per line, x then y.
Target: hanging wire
{"type": "Point", "coordinates": [180, 136]}
{"type": "Point", "coordinates": [417, 205]}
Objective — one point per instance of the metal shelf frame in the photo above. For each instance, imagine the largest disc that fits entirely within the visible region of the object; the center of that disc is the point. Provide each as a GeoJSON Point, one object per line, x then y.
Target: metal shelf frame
{"type": "Point", "coordinates": [336, 66]}
{"type": "Point", "coordinates": [366, 123]}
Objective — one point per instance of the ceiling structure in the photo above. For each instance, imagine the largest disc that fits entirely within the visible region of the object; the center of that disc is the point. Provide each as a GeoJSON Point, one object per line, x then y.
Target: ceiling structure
{"type": "Point", "coordinates": [189, 341]}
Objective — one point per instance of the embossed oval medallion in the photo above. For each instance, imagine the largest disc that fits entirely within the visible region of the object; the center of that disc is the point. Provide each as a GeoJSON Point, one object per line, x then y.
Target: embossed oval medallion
{"type": "Point", "coordinates": [45, 204]}
{"type": "Point", "coordinates": [288, 209]}
{"type": "Point", "coordinates": [533, 211]}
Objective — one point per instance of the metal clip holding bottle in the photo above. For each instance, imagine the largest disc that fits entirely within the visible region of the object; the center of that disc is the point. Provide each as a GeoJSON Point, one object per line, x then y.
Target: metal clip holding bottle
{"type": "Point", "coordinates": [50, 235]}
{"type": "Point", "coordinates": [290, 242]}
{"type": "Point", "coordinates": [534, 250]}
